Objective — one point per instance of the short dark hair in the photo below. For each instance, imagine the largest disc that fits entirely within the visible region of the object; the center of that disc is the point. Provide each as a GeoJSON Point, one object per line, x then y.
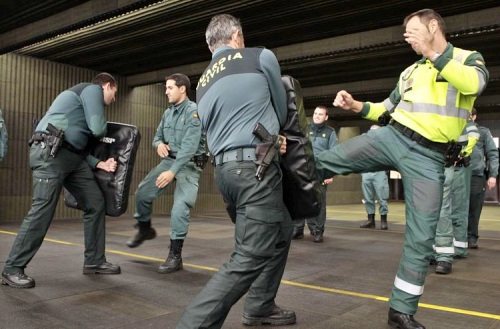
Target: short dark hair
{"type": "Point", "coordinates": [103, 78]}
{"type": "Point", "coordinates": [425, 16]}
{"type": "Point", "coordinates": [180, 80]}
{"type": "Point", "coordinates": [323, 108]}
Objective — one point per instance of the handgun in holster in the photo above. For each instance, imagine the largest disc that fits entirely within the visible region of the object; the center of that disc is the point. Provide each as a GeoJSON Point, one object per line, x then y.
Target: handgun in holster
{"type": "Point", "coordinates": [463, 160]}
{"type": "Point", "coordinates": [452, 154]}
{"type": "Point", "coordinates": [201, 160]}
{"type": "Point", "coordinates": [384, 118]}
{"type": "Point", "coordinates": [55, 139]}
{"type": "Point", "coordinates": [267, 150]}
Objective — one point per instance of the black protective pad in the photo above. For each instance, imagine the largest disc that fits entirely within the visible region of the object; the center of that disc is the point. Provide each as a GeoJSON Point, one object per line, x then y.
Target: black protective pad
{"type": "Point", "coordinates": [301, 183]}
{"type": "Point", "coordinates": [121, 143]}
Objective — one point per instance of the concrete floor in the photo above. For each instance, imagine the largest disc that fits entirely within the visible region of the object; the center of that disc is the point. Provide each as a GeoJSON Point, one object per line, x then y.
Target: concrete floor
{"type": "Point", "coordinates": [342, 283]}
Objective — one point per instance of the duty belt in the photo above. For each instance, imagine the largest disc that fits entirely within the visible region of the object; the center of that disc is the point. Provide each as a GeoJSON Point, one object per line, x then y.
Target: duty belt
{"type": "Point", "coordinates": [240, 154]}
{"type": "Point", "coordinates": [413, 135]}
{"type": "Point", "coordinates": [175, 157]}
{"type": "Point", "coordinates": [39, 137]}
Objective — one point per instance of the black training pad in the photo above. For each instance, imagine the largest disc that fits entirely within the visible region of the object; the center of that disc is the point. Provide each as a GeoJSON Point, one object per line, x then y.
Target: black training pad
{"type": "Point", "coordinates": [301, 184]}
{"type": "Point", "coordinates": [121, 143]}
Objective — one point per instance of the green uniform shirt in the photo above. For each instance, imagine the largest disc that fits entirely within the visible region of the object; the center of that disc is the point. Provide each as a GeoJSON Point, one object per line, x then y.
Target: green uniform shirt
{"type": "Point", "coordinates": [485, 155]}
{"type": "Point", "coordinates": [180, 128]}
{"type": "Point", "coordinates": [79, 111]}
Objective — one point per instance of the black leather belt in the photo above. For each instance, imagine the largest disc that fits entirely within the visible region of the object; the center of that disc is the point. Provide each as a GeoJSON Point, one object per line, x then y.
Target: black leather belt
{"type": "Point", "coordinates": [413, 135]}
{"type": "Point", "coordinates": [71, 148]}
{"type": "Point", "coordinates": [175, 157]}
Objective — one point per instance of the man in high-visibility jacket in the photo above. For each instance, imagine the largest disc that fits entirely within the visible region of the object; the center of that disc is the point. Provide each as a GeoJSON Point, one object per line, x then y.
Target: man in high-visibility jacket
{"type": "Point", "coordinates": [427, 110]}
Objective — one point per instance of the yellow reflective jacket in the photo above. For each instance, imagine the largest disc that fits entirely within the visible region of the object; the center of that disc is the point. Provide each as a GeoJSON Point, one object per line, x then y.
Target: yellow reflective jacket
{"type": "Point", "coordinates": [435, 99]}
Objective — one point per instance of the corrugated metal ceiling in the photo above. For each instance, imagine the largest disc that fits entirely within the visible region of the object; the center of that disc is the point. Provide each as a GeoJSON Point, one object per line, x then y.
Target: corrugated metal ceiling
{"type": "Point", "coordinates": [145, 36]}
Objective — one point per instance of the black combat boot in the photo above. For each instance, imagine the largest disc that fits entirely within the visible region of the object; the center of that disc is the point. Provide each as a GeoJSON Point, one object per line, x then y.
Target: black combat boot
{"type": "Point", "coordinates": [403, 321]}
{"type": "Point", "coordinates": [317, 236]}
{"type": "Point", "coordinates": [383, 222]}
{"type": "Point", "coordinates": [146, 232]}
{"type": "Point", "coordinates": [174, 259]}
{"type": "Point", "coordinates": [298, 233]}
{"type": "Point", "coordinates": [370, 223]}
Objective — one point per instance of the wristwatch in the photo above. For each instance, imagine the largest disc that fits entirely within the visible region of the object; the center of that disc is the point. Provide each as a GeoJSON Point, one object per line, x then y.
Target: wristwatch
{"type": "Point", "coordinates": [436, 56]}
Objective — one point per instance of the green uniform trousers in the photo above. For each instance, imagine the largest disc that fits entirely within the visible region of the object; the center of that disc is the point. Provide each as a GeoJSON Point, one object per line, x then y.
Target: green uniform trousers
{"type": "Point", "coordinates": [185, 193]}
{"type": "Point", "coordinates": [72, 171]}
{"type": "Point", "coordinates": [422, 170]}
{"type": "Point", "coordinates": [451, 232]}
{"type": "Point", "coordinates": [315, 224]}
{"type": "Point", "coordinates": [476, 200]}
{"type": "Point", "coordinates": [375, 184]}
{"type": "Point", "coordinates": [263, 232]}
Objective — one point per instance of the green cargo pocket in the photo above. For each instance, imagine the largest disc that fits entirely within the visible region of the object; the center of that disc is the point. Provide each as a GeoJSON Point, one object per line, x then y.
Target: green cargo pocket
{"type": "Point", "coordinates": [44, 188]}
{"type": "Point", "coordinates": [260, 230]}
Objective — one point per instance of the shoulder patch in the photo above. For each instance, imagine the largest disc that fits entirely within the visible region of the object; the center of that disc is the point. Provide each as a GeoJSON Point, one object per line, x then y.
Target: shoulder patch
{"type": "Point", "coordinates": [196, 120]}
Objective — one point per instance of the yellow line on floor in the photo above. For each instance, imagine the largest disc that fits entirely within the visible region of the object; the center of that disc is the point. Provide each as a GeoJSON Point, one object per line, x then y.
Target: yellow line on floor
{"type": "Point", "coordinates": [290, 283]}
{"type": "Point", "coordinates": [385, 299]}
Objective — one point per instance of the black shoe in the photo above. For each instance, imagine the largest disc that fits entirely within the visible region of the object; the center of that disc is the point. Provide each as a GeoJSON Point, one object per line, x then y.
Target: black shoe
{"type": "Point", "coordinates": [172, 264]}
{"type": "Point", "coordinates": [459, 256]}
{"type": "Point", "coordinates": [318, 237]}
{"type": "Point", "coordinates": [278, 317]}
{"type": "Point", "coordinates": [443, 268]}
{"type": "Point", "coordinates": [18, 280]}
{"type": "Point", "coordinates": [297, 234]}
{"type": "Point", "coordinates": [141, 236]}
{"type": "Point", "coordinates": [104, 268]}
{"type": "Point", "coordinates": [403, 321]}
{"type": "Point", "coordinates": [433, 261]}
{"type": "Point", "coordinates": [473, 244]}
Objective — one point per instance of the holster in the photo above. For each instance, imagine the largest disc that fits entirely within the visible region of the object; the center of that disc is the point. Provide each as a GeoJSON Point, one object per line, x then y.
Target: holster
{"type": "Point", "coordinates": [53, 142]}
{"type": "Point", "coordinates": [452, 154]}
{"type": "Point", "coordinates": [463, 161]}
{"type": "Point", "coordinates": [384, 118]}
{"type": "Point", "coordinates": [200, 160]}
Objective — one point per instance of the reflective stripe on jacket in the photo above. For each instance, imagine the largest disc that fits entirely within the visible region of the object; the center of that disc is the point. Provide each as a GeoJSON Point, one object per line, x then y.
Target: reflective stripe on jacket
{"type": "Point", "coordinates": [435, 99]}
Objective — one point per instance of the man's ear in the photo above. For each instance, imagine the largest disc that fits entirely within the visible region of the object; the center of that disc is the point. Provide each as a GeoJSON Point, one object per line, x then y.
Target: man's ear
{"type": "Point", "coordinates": [234, 36]}
{"type": "Point", "coordinates": [183, 89]}
{"type": "Point", "coordinates": [433, 26]}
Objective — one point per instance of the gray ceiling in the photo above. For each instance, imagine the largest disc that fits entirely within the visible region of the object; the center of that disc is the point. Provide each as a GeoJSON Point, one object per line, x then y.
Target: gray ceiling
{"type": "Point", "coordinates": [324, 44]}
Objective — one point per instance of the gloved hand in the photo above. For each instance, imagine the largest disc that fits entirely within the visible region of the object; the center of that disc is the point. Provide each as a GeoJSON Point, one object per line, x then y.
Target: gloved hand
{"type": "Point", "coordinates": [463, 161]}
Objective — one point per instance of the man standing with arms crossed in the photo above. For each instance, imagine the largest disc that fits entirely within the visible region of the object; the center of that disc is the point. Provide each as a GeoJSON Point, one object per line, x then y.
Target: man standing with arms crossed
{"type": "Point", "coordinates": [240, 88]}
{"type": "Point", "coordinates": [322, 137]}
{"type": "Point", "coordinates": [427, 110]}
